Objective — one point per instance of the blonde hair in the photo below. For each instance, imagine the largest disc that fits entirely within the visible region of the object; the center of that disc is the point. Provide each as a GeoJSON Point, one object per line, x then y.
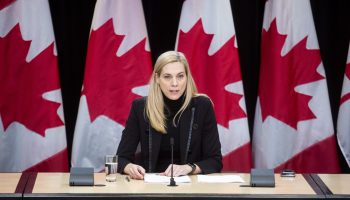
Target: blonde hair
{"type": "Point", "coordinates": [155, 103]}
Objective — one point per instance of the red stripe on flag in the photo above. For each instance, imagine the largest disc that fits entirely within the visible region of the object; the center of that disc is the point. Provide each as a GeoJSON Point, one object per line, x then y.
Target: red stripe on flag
{"type": "Point", "coordinates": [311, 161]}
{"type": "Point", "coordinates": [241, 154]}
{"type": "Point", "coordinates": [55, 163]}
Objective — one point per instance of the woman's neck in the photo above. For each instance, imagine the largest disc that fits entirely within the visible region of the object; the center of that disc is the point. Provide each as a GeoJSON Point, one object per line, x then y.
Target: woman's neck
{"type": "Point", "coordinates": [173, 106]}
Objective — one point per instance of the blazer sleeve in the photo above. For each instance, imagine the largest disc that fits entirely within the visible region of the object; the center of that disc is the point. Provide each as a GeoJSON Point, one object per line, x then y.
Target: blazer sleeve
{"type": "Point", "coordinates": [129, 140]}
{"type": "Point", "coordinates": [211, 147]}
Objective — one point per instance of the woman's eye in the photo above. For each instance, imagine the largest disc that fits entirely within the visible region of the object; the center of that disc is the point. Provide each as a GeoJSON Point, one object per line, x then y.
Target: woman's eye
{"type": "Point", "coordinates": [167, 77]}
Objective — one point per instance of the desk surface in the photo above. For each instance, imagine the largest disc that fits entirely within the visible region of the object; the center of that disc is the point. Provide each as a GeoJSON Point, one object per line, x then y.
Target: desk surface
{"type": "Point", "coordinates": [337, 183]}
{"type": "Point", "coordinates": [8, 182]}
{"type": "Point", "coordinates": [56, 184]}
{"type": "Point", "coordinates": [11, 186]}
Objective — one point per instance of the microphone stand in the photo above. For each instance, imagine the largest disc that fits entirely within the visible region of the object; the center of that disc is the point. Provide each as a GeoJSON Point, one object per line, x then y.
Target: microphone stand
{"type": "Point", "coordinates": [172, 181]}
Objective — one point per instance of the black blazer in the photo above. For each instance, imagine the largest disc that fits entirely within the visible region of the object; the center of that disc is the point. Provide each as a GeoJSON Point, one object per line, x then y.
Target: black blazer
{"type": "Point", "coordinates": [199, 138]}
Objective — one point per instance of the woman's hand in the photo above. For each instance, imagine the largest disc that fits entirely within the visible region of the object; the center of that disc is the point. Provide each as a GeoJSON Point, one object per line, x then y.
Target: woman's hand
{"type": "Point", "coordinates": [178, 170]}
{"type": "Point", "coordinates": [135, 171]}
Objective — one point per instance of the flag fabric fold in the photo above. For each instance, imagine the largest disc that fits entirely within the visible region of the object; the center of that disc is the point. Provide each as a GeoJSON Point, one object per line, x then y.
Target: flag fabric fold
{"type": "Point", "coordinates": [293, 125]}
{"type": "Point", "coordinates": [32, 130]}
{"type": "Point", "coordinates": [118, 51]}
{"type": "Point", "coordinates": [207, 37]}
{"type": "Point", "coordinates": [343, 124]}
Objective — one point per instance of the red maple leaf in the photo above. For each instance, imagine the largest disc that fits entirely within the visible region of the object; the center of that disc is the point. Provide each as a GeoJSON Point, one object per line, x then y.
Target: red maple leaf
{"type": "Point", "coordinates": [213, 73]}
{"type": "Point", "coordinates": [280, 75]}
{"type": "Point", "coordinates": [346, 96]}
{"type": "Point", "coordinates": [109, 79]}
{"type": "Point", "coordinates": [23, 83]}
{"type": "Point", "coordinates": [347, 70]}
{"type": "Point", "coordinates": [5, 3]}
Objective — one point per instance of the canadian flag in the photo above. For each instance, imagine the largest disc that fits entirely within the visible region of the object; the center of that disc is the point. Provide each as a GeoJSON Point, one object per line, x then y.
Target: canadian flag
{"type": "Point", "coordinates": [344, 114]}
{"type": "Point", "coordinates": [118, 68]}
{"type": "Point", "coordinates": [32, 130]}
{"type": "Point", "coordinates": [207, 37]}
{"type": "Point", "coordinates": [293, 124]}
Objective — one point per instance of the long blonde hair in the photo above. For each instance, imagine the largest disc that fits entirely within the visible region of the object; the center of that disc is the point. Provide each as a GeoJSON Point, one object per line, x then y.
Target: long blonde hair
{"type": "Point", "coordinates": [155, 103]}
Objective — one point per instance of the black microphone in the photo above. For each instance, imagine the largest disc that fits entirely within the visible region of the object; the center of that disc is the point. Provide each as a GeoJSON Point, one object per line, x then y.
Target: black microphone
{"type": "Point", "coordinates": [172, 181]}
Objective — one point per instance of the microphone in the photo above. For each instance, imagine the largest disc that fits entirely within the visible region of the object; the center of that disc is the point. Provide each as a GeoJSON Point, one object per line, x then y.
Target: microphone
{"type": "Point", "coordinates": [172, 181]}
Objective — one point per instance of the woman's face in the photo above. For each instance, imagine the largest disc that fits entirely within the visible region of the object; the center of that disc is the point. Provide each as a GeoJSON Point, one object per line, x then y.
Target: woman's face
{"type": "Point", "coordinates": [172, 80]}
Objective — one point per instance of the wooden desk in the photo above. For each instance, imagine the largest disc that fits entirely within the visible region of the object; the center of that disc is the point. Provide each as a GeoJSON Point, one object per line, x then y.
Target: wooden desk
{"type": "Point", "coordinates": [12, 185]}
{"type": "Point", "coordinates": [55, 186]}
{"type": "Point", "coordinates": [336, 185]}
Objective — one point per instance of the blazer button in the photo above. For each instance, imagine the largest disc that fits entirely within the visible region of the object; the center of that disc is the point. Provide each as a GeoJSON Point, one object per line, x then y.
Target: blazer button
{"type": "Point", "coordinates": [195, 126]}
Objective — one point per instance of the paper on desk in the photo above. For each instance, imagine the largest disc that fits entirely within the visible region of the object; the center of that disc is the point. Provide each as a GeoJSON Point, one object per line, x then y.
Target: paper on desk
{"type": "Point", "coordinates": [155, 178]}
{"type": "Point", "coordinates": [220, 179]}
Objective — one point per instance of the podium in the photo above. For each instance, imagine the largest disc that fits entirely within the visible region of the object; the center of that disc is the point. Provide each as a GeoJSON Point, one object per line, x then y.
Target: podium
{"type": "Point", "coordinates": [334, 185]}
{"type": "Point", "coordinates": [12, 185]}
{"type": "Point", "coordinates": [56, 186]}
{"type": "Point", "coordinates": [28, 186]}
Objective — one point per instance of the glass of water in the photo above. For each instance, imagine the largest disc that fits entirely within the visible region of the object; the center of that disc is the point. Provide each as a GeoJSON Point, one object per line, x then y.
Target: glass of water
{"type": "Point", "coordinates": [111, 166]}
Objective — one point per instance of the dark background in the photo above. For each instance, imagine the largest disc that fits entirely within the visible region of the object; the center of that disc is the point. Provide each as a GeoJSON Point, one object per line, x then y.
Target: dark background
{"type": "Point", "coordinates": [72, 21]}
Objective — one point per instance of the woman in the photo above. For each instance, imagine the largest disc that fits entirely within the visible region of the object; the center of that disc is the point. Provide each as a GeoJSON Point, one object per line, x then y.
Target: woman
{"type": "Point", "coordinates": [173, 111]}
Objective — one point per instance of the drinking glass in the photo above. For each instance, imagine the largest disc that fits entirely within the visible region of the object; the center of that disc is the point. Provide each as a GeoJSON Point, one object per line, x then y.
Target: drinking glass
{"type": "Point", "coordinates": [111, 166]}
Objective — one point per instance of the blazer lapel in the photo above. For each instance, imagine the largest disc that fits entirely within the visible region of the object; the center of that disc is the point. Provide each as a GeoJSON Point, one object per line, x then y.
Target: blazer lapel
{"type": "Point", "coordinates": [185, 123]}
{"type": "Point", "coordinates": [155, 144]}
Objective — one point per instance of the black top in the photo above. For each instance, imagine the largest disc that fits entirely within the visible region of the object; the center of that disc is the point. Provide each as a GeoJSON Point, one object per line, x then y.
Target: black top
{"type": "Point", "coordinates": [198, 138]}
{"type": "Point", "coordinates": [164, 157]}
